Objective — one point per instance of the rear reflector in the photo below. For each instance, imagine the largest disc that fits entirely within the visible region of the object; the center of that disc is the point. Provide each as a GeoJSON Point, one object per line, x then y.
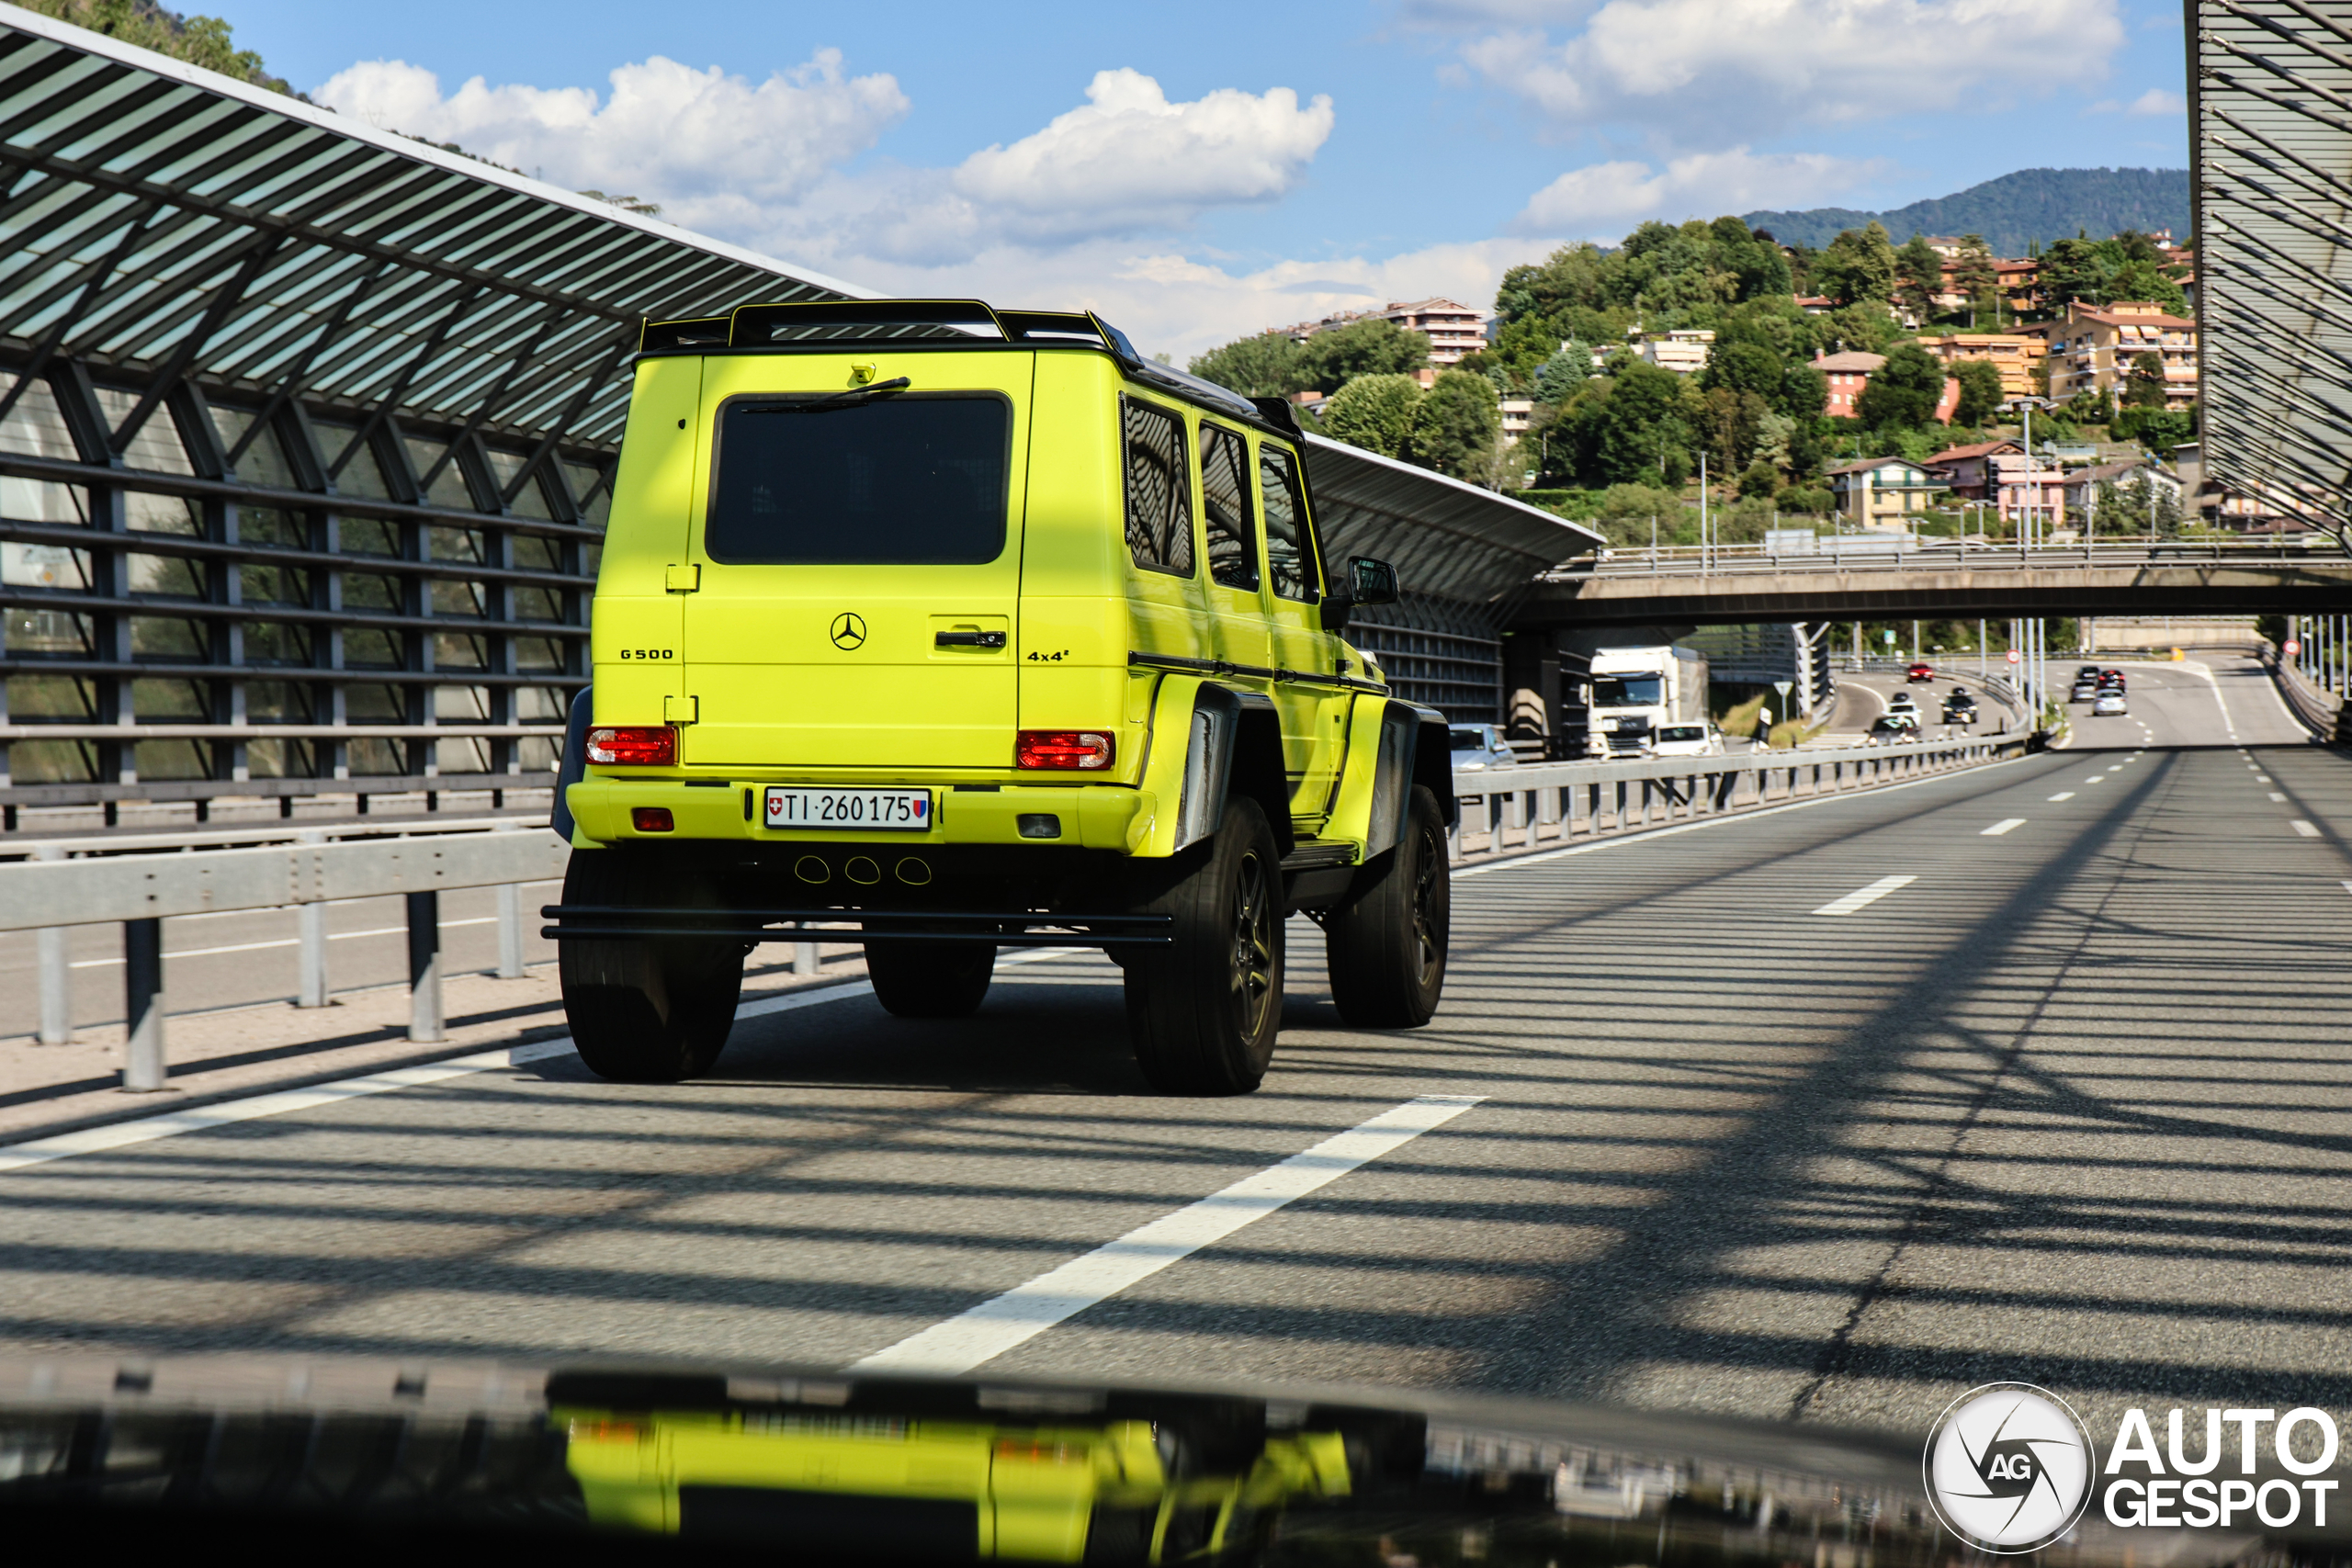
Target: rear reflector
{"type": "Point", "coordinates": [1087, 749]}
{"type": "Point", "coordinates": [651, 819]}
{"type": "Point", "coordinates": [634, 745]}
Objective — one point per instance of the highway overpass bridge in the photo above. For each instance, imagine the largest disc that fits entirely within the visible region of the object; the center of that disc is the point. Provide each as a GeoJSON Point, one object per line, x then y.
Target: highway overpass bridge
{"type": "Point", "coordinates": [1734, 584]}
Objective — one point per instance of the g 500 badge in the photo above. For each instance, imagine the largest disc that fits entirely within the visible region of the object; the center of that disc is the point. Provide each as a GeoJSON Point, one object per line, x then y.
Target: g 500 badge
{"type": "Point", "coordinates": [646, 653]}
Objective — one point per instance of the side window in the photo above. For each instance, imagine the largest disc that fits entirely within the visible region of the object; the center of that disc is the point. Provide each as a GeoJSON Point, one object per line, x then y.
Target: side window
{"type": "Point", "coordinates": [1225, 504]}
{"type": "Point", "coordinates": [1290, 554]}
{"type": "Point", "coordinates": [1160, 500]}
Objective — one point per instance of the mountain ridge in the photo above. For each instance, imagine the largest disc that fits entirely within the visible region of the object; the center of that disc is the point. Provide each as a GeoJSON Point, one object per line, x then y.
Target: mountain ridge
{"type": "Point", "coordinates": [2013, 211]}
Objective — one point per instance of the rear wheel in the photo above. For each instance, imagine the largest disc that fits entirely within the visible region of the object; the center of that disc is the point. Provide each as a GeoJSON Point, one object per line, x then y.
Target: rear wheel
{"type": "Point", "coordinates": [644, 1010]}
{"type": "Point", "coordinates": [1387, 943]}
{"type": "Point", "coordinates": [930, 979]}
{"type": "Point", "coordinates": [1203, 1012]}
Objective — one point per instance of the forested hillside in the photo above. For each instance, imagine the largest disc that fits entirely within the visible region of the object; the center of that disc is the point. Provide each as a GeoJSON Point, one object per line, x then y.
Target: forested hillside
{"type": "Point", "coordinates": [2029, 207]}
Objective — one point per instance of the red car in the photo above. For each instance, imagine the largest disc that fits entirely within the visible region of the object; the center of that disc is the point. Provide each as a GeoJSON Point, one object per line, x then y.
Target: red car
{"type": "Point", "coordinates": [1920, 672]}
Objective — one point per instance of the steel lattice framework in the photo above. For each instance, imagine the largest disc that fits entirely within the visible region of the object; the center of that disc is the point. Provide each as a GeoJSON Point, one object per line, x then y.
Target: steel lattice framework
{"type": "Point", "coordinates": [304, 431]}
{"type": "Point", "coordinates": [2270, 89]}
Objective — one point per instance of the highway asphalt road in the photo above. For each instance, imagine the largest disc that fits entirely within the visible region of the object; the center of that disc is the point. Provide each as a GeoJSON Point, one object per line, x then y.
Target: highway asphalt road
{"type": "Point", "coordinates": [2064, 1095]}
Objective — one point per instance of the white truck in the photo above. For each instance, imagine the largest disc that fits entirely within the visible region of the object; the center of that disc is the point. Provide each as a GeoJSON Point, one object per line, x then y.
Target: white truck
{"type": "Point", "coordinates": [1637, 691]}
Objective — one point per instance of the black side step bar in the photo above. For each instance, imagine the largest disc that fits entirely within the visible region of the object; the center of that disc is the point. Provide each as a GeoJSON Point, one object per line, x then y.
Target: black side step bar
{"type": "Point", "coordinates": [1023, 928]}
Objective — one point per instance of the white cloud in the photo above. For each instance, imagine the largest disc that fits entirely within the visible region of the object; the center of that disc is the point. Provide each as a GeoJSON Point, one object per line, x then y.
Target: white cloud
{"type": "Point", "coordinates": [706, 145]}
{"type": "Point", "coordinates": [2158, 101]}
{"type": "Point", "coordinates": [1130, 159]}
{"type": "Point", "coordinates": [1711, 70]}
{"type": "Point", "coordinates": [1607, 198]}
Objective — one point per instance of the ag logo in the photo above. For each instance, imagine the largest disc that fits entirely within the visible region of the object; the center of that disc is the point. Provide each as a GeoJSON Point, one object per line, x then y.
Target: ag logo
{"type": "Point", "coordinates": [849, 630]}
{"type": "Point", "coordinates": [2009, 1467]}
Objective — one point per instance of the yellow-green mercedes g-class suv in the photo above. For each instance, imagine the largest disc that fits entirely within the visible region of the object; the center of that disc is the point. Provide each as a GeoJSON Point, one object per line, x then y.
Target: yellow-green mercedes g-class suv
{"type": "Point", "coordinates": [947, 630]}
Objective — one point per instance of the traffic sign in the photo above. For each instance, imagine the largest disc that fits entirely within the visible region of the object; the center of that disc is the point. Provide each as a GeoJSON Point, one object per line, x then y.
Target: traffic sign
{"type": "Point", "coordinates": [2290, 648]}
{"type": "Point", "coordinates": [2015, 656]}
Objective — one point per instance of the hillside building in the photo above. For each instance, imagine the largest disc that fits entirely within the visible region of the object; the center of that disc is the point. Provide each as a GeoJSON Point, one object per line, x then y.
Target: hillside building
{"type": "Point", "coordinates": [2017, 356]}
{"type": "Point", "coordinates": [2094, 347]}
{"type": "Point", "coordinates": [1884, 492]}
{"type": "Point", "coordinates": [1848, 372]}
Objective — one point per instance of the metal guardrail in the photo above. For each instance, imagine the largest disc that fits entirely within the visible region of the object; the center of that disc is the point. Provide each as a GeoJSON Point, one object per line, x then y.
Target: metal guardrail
{"type": "Point", "coordinates": [1574, 802]}
{"type": "Point", "coordinates": [15, 799]}
{"type": "Point", "coordinates": [1851, 553]}
{"type": "Point", "coordinates": [65, 883]}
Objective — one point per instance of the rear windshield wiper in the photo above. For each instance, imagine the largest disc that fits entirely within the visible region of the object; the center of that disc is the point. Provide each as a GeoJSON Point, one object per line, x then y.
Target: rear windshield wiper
{"type": "Point", "coordinates": [848, 400]}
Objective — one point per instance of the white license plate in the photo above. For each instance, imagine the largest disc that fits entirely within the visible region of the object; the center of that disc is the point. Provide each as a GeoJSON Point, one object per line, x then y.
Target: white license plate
{"type": "Point", "coordinates": [900, 810]}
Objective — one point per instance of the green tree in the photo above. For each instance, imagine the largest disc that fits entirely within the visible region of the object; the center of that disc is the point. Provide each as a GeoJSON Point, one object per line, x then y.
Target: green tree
{"type": "Point", "coordinates": [1457, 425]}
{"type": "Point", "coordinates": [1903, 393]}
{"type": "Point", "coordinates": [2145, 387]}
{"type": "Point", "coordinates": [1918, 276]}
{"type": "Point", "coordinates": [1563, 374]}
{"type": "Point", "coordinates": [1980, 391]}
{"type": "Point", "coordinates": [1867, 327]}
{"type": "Point", "coordinates": [1803, 392]}
{"type": "Point", "coordinates": [1267, 366]}
{"type": "Point", "coordinates": [1624, 427]}
{"type": "Point", "coordinates": [1329, 360]}
{"type": "Point", "coordinates": [1374, 412]}
{"type": "Point", "coordinates": [203, 42]}
{"type": "Point", "coordinates": [1728, 424]}
{"type": "Point", "coordinates": [2074, 269]}
{"type": "Point", "coordinates": [2145, 280]}
{"type": "Point", "coordinates": [1977, 279]}
{"type": "Point", "coordinates": [1745, 367]}
{"type": "Point", "coordinates": [1858, 264]}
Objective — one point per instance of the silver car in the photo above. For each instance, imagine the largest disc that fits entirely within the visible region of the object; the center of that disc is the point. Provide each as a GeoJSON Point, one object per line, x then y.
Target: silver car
{"type": "Point", "coordinates": [1477, 747]}
{"type": "Point", "coordinates": [2107, 702]}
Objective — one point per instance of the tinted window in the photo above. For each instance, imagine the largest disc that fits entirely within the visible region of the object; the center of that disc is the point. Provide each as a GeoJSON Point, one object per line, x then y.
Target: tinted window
{"type": "Point", "coordinates": [1160, 500]}
{"type": "Point", "coordinates": [1627, 691]}
{"type": "Point", "coordinates": [1290, 554]}
{"type": "Point", "coordinates": [1225, 508]}
{"type": "Point", "coordinates": [1681, 732]}
{"type": "Point", "coordinates": [897, 481]}
{"type": "Point", "coordinates": [1468, 740]}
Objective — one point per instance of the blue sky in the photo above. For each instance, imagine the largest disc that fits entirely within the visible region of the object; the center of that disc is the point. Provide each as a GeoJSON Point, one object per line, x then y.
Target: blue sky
{"type": "Point", "coordinates": [1202, 171]}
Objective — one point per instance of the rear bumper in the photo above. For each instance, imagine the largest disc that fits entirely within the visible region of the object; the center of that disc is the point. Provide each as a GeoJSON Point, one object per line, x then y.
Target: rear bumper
{"type": "Point", "coordinates": [578, 922]}
{"type": "Point", "coordinates": [1093, 817]}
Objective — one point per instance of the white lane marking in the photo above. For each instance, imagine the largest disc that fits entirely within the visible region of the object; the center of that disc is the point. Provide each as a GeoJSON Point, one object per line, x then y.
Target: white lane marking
{"type": "Point", "coordinates": [147, 1129]}
{"type": "Point", "coordinates": [2096, 778]}
{"type": "Point", "coordinates": [286, 942]}
{"type": "Point", "coordinates": [1023, 1313]}
{"type": "Point", "coordinates": [1997, 829]}
{"type": "Point", "coordinates": [1861, 897]}
{"type": "Point", "coordinates": [2275, 795]}
{"type": "Point", "coordinates": [2262, 778]}
{"type": "Point", "coordinates": [2066, 795]}
{"type": "Point", "coordinates": [2305, 829]}
{"type": "Point", "coordinates": [2347, 888]}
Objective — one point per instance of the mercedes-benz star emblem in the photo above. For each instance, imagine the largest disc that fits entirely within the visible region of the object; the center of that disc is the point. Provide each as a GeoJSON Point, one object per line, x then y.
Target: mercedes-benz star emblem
{"type": "Point", "coordinates": [849, 630]}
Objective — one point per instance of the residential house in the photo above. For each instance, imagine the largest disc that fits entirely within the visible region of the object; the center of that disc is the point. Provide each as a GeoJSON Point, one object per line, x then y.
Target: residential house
{"type": "Point", "coordinates": [1517, 412]}
{"type": "Point", "coordinates": [2082, 487]}
{"type": "Point", "coordinates": [1971, 471]}
{"type": "Point", "coordinates": [1815, 304]}
{"type": "Point", "coordinates": [2094, 348]}
{"type": "Point", "coordinates": [1683, 350]}
{"type": "Point", "coordinates": [2017, 356]}
{"type": "Point", "coordinates": [1882, 493]}
{"type": "Point", "coordinates": [1848, 372]}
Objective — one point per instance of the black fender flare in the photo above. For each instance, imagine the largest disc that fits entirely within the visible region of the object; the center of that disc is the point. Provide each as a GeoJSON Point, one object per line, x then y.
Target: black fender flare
{"type": "Point", "coordinates": [574, 764]}
{"type": "Point", "coordinates": [1234, 746]}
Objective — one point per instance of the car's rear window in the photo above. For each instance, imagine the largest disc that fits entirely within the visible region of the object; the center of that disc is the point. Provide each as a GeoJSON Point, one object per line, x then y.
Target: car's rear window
{"type": "Point", "coordinates": [1466, 739]}
{"type": "Point", "coordinates": [910, 480]}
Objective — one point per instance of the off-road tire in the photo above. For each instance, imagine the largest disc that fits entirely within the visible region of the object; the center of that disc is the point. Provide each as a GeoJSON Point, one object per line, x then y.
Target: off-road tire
{"type": "Point", "coordinates": [645, 1010]}
{"type": "Point", "coordinates": [930, 979]}
{"type": "Point", "coordinates": [1203, 1011]}
{"type": "Point", "coordinates": [1387, 943]}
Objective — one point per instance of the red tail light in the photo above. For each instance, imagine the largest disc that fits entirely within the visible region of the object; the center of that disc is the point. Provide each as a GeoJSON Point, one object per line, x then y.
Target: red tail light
{"type": "Point", "coordinates": [634, 745]}
{"type": "Point", "coordinates": [651, 819]}
{"type": "Point", "coordinates": [1089, 750]}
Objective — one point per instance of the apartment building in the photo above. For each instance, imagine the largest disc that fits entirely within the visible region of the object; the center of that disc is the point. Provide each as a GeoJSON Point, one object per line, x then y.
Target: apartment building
{"type": "Point", "coordinates": [1848, 372]}
{"type": "Point", "coordinates": [1882, 493]}
{"type": "Point", "coordinates": [1973, 472]}
{"type": "Point", "coordinates": [2095, 346]}
{"type": "Point", "coordinates": [2017, 356]}
{"type": "Point", "coordinates": [1453, 329]}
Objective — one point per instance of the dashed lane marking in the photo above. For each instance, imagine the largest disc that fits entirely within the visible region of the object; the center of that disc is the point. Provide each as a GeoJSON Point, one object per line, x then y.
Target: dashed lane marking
{"type": "Point", "coordinates": [1020, 1315]}
{"type": "Point", "coordinates": [2063, 795]}
{"type": "Point", "coordinates": [1997, 829]}
{"type": "Point", "coordinates": [1861, 897]}
{"type": "Point", "coordinates": [2305, 829]}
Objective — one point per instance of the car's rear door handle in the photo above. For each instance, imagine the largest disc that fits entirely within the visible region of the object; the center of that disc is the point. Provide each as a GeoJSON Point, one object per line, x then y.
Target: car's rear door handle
{"type": "Point", "coordinates": [968, 640]}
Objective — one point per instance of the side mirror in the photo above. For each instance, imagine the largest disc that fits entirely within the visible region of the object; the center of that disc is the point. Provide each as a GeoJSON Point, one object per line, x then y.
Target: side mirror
{"type": "Point", "coordinates": [1336, 609]}
{"type": "Point", "coordinates": [1376, 582]}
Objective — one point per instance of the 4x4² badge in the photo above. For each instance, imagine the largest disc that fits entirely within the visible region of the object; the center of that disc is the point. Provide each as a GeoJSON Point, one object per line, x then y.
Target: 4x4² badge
{"type": "Point", "coordinates": [849, 630]}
